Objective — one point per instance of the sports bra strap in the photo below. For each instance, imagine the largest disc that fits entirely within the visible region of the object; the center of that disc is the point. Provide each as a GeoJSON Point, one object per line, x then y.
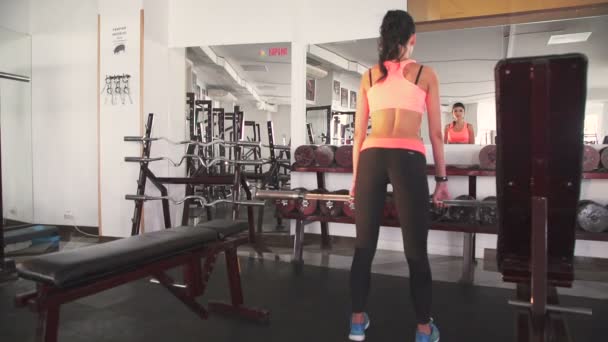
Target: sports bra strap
{"type": "Point", "coordinates": [419, 72]}
{"type": "Point", "coordinates": [370, 78]}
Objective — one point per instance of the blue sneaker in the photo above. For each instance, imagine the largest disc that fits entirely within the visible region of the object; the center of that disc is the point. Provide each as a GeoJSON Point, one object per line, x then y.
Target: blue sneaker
{"type": "Point", "coordinates": [357, 331]}
{"type": "Point", "coordinates": [433, 337]}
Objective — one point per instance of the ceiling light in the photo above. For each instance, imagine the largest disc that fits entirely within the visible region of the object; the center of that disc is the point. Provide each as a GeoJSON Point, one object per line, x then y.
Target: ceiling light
{"type": "Point", "coordinates": [254, 68]}
{"type": "Point", "coordinates": [315, 72]}
{"type": "Point", "coordinates": [266, 87]}
{"type": "Point", "coordinates": [569, 38]}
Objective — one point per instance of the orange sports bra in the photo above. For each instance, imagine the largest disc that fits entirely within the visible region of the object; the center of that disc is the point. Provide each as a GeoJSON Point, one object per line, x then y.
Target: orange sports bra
{"type": "Point", "coordinates": [461, 136]}
{"type": "Point", "coordinates": [395, 91]}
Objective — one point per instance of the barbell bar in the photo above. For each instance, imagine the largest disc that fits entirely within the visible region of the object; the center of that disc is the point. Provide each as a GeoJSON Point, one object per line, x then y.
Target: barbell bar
{"type": "Point", "coordinates": [199, 199]}
{"type": "Point", "coordinates": [292, 194]}
{"type": "Point", "coordinates": [206, 144]}
{"type": "Point", "coordinates": [194, 156]}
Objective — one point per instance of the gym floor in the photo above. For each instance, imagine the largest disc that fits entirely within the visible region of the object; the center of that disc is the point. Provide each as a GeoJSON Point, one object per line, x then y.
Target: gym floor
{"type": "Point", "coordinates": [307, 303]}
{"type": "Point", "coordinates": [310, 304]}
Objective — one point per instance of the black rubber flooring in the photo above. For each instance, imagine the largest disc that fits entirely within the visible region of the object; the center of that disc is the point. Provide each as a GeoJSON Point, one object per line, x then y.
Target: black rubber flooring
{"type": "Point", "coordinates": [309, 305]}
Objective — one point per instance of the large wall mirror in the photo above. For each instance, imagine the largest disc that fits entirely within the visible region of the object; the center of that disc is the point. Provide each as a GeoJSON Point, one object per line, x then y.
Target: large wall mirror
{"type": "Point", "coordinates": [464, 60]}
{"type": "Point", "coordinates": [332, 87]}
{"type": "Point", "coordinates": [253, 82]}
{"type": "Point", "coordinates": [16, 129]}
{"type": "Point", "coordinates": [255, 77]}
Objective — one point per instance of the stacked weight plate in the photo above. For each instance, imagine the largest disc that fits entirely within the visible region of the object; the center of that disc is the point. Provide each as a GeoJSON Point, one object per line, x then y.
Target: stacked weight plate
{"type": "Point", "coordinates": [592, 217]}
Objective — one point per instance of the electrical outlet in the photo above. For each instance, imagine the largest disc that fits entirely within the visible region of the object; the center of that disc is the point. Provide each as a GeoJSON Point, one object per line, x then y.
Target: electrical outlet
{"type": "Point", "coordinates": [68, 215]}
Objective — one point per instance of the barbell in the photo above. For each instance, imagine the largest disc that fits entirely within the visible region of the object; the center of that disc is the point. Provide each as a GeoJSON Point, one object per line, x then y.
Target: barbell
{"type": "Point", "coordinates": [206, 144]}
{"type": "Point", "coordinates": [295, 195]}
{"type": "Point", "coordinates": [203, 201]}
{"type": "Point", "coordinates": [194, 156]}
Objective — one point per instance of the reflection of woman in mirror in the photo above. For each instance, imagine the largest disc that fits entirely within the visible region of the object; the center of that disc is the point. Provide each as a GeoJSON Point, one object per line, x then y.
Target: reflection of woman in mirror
{"type": "Point", "coordinates": [395, 93]}
{"type": "Point", "coordinates": [459, 131]}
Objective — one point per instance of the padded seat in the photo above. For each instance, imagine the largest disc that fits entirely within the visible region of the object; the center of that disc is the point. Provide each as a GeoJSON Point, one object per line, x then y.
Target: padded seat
{"type": "Point", "coordinates": [82, 265]}
{"type": "Point", "coordinates": [225, 228]}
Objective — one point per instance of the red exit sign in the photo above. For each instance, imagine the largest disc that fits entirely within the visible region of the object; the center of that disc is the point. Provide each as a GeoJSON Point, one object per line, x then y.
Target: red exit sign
{"type": "Point", "coordinates": [278, 52]}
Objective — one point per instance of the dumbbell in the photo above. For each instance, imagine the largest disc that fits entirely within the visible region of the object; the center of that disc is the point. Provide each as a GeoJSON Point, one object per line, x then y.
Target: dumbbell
{"type": "Point", "coordinates": [324, 155]}
{"type": "Point", "coordinates": [592, 216]}
{"type": "Point", "coordinates": [591, 158]}
{"type": "Point", "coordinates": [487, 157]}
{"type": "Point", "coordinates": [344, 156]}
{"type": "Point", "coordinates": [304, 155]}
{"type": "Point", "coordinates": [462, 214]}
{"type": "Point", "coordinates": [308, 207]}
{"type": "Point", "coordinates": [389, 209]}
{"type": "Point", "coordinates": [604, 157]}
{"type": "Point", "coordinates": [286, 206]}
{"type": "Point", "coordinates": [487, 215]}
{"type": "Point", "coordinates": [333, 208]}
{"type": "Point", "coordinates": [437, 213]}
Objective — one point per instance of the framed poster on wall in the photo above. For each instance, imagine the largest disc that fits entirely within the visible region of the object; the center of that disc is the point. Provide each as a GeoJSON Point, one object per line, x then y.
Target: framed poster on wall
{"type": "Point", "coordinates": [336, 92]}
{"type": "Point", "coordinates": [344, 97]}
{"type": "Point", "coordinates": [353, 99]}
{"type": "Point", "coordinates": [310, 89]}
{"type": "Point", "coordinates": [194, 82]}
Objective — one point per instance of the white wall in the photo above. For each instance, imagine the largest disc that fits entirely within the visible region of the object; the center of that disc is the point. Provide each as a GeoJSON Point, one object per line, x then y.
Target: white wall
{"type": "Point", "coordinates": [117, 177]}
{"type": "Point", "coordinates": [64, 110]}
{"type": "Point", "coordinates": [64, 106]}
{"type": "Point", "coordinates": [196, 22]}
{"type": "Point", "coordinates": [323, 91]}
{"type": "Point", "coordinates": [162, 67]}
{"type": "Point", "coordinates": [15, 15]}
{"type": "Point", "coordinates": [177, 129]}
{"type": "Point", "coordinates": [15, 52]}
{"type": "Point", "coordinates": [281, 121]}
{"type": "Point", "coordinates": [164, 86]}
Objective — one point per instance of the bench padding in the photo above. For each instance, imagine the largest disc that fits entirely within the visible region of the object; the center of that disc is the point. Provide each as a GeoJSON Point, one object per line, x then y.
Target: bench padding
{"type": "Point", "coordinates": [82, 265]}
{"type": "Point", "coordinates": [225, 228]}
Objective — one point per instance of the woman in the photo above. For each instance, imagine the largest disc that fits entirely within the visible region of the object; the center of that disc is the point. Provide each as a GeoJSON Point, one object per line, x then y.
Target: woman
{"type": "Point", "coordinates": [395, 94]}
{"type": "Point", "coordinates": [459, 131]}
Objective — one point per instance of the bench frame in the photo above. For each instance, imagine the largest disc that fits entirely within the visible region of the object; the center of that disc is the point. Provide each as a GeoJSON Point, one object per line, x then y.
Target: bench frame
{"type": "Point", "coordinates": [47, 299]}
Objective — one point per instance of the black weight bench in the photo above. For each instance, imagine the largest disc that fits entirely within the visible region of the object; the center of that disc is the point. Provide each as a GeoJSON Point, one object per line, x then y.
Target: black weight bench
{"type": "Point", "coordinates": [65, 276]}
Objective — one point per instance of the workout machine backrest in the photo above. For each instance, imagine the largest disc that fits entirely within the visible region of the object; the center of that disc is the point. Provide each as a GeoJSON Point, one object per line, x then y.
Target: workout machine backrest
{"type": "Point", "coordinates": [540, 107]}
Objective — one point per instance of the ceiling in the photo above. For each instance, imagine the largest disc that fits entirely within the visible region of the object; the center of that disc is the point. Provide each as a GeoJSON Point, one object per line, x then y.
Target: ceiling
{"type": "Point", "coordinates": [464, 59]}
{"type": "Point", "coordinates": [269, 75]}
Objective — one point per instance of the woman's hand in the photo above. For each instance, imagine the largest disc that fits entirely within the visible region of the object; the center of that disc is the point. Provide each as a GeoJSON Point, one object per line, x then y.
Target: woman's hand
{"type": "Point", "coordinates": [441, 194]}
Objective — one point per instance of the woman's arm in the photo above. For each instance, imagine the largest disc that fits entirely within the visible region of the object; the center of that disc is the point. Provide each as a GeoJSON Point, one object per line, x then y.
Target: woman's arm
{"type": "Point", "coordinates": [434, 115]}
{"type": "Point", "coordinates": [361, 121]}
{"type": "Point", "coordinates": [471, 134]}
{"type": "Point", "coordinates": [445, 133]}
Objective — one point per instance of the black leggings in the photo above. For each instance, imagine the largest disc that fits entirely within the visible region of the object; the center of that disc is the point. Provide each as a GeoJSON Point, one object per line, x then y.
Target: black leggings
{"type": "Point", "coordinates": [406, 171]}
